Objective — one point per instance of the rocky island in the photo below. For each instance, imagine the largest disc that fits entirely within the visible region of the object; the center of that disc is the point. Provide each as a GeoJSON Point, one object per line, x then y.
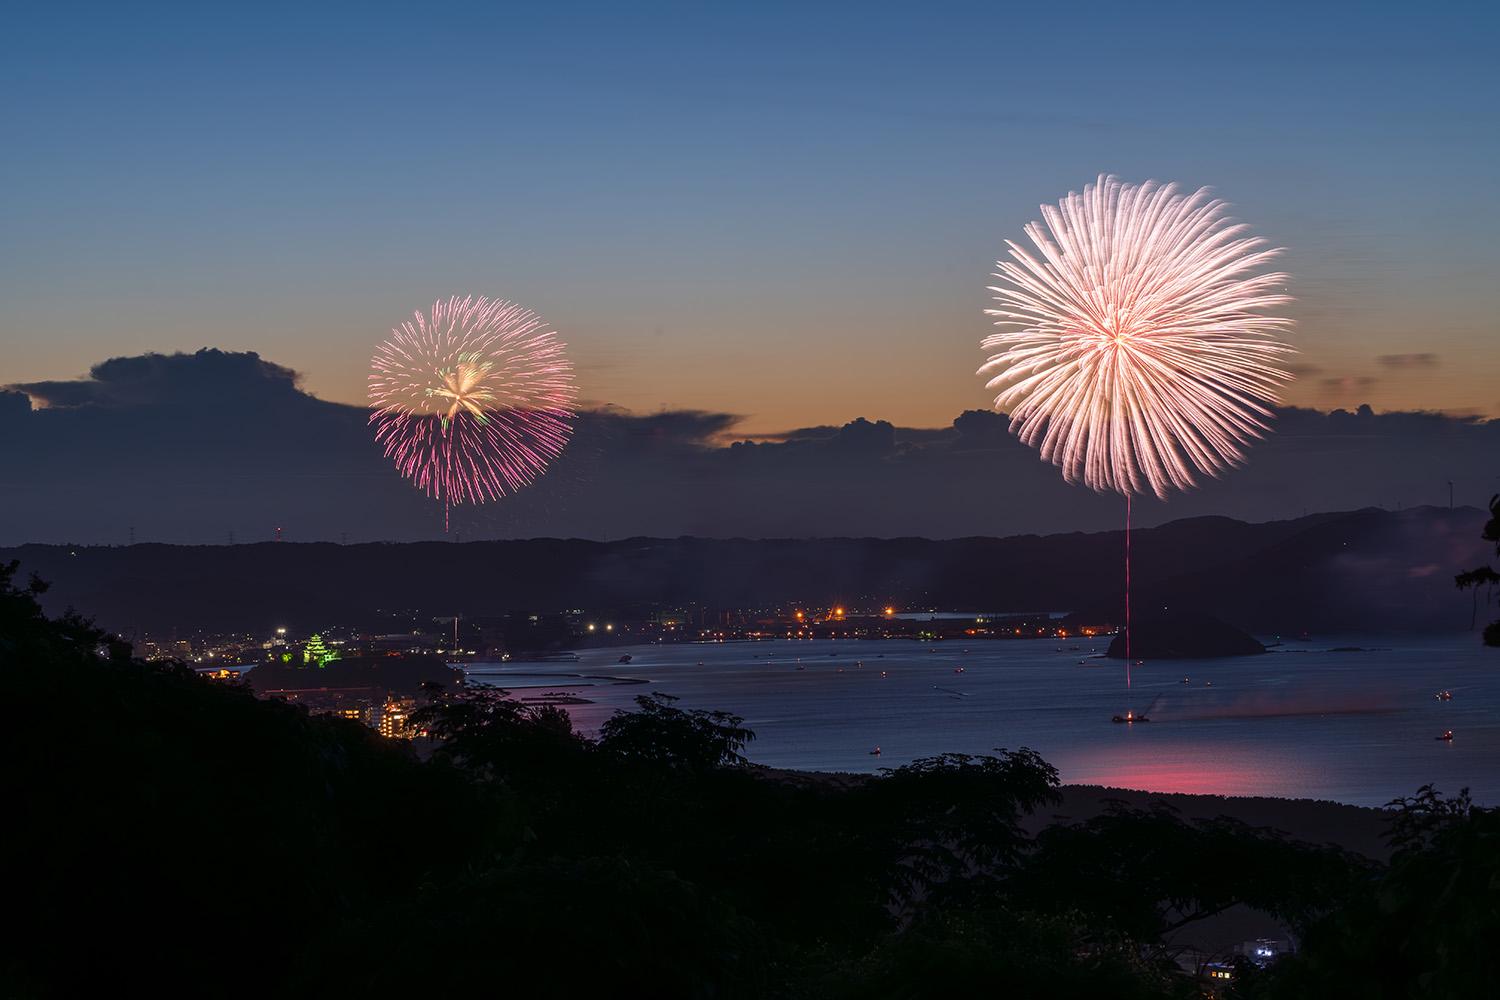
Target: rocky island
{"type": "Point", "coordinates": [1183, 636]}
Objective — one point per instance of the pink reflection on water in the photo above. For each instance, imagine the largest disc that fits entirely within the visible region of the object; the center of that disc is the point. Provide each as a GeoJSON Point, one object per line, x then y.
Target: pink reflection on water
{"type": "Point", "coordinates": [1213, 771]}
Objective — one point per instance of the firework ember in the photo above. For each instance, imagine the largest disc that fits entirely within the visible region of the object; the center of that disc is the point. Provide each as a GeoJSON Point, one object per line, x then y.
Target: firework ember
{"type": "Point", "coordinates": [472, 401]}
{"type": "Point", "coordinates": [1136, 347]}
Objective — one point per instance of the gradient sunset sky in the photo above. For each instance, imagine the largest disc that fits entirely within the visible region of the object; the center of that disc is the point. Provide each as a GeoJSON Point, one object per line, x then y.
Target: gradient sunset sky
{"type": "Point", "coordinates": [787, 211]}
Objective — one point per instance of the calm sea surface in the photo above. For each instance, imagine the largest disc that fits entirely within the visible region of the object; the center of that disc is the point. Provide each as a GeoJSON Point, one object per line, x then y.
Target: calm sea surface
{"type": "Point", "coordinates": [1302, 721]}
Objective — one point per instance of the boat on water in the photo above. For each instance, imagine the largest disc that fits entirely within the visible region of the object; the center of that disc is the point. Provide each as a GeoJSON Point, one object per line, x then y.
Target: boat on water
{"type": "Point", "coordinates": [626, 658]}
{"type": "Point", "coordinates": [1130, 717]}
{"type": "Point", "coordinates": [1446, 736]}
{"type": "Point", "coordinates": [1444, 695]}
{"type": "Point", "coordinates": [875, 752]}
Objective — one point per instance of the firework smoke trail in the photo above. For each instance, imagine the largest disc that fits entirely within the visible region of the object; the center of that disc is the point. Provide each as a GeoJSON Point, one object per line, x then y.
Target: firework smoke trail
{"type": "Point", "coordinates": [1136, 347]}
{"type": "Point", "coordinates": [473, 401]}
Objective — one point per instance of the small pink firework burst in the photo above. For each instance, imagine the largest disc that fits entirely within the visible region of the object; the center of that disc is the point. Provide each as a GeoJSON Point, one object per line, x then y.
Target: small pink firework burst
{"type": "Point", "coordinates": [473, 401]}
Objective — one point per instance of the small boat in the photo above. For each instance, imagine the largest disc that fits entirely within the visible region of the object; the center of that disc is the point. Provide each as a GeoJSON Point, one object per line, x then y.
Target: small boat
{"type": "Point", "coordinates": [958, 670]}
{"type": "Point", "coordinates": [626, 658]}
{"type": "Point", "coordinates": [1129, 717]}
{"type": "Point", "coordinates": [875, 752]}
{"type": "Point", "coordinates": [1444, 695]}
{"type": "Point", "coordinates": [1184, 680]}
{"type": "Point", "coordinates": [884, 674]}
{"type": "Point", "coordinates": [1446, 737]}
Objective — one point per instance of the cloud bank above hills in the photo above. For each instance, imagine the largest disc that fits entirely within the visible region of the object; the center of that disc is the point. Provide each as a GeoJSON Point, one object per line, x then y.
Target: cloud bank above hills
{"type": "Point", "coordinates": [195, 448]}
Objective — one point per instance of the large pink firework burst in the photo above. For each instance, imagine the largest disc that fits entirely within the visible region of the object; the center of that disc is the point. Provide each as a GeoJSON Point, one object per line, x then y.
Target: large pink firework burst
{"type": "Point", "coordinates": [473, 400]}
{"type": "Point", "coordinates": [1136, 347]}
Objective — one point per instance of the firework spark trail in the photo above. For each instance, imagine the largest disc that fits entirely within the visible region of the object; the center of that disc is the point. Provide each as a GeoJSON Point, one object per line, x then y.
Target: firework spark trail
{"type": "Point", "coordinates": [1136, 347]}
{"type": "Point", "coordinates": [473, 401]}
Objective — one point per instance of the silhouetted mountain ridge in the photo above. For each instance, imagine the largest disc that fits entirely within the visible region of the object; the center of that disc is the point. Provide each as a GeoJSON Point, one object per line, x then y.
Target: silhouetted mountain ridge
{"type": "Point", "coordinates": [1349, 571]}
{"type": "Point", "coordinates": [1355, 570]}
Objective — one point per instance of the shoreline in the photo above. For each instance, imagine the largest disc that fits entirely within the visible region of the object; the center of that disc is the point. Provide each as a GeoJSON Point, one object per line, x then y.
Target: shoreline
{"type": "Point", "coordinates": [1360, 829]}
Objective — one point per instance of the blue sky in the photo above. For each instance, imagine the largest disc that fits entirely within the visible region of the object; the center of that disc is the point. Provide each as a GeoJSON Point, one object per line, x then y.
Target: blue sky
{"type": "Point", "coordinates": [781, 210]}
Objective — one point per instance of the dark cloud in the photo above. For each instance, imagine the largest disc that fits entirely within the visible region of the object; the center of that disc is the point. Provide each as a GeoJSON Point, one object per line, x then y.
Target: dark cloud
{"type": "Point", "coordinates": [189, 448]}
{"type": "Point", "coordinates": [682, 428]}
{"type": "Point", "coordinates": [1423, 360]}
{"type": "Point", "coordinates": [168, 380]}
{"type": "Point", "coordinates": [13, 405]}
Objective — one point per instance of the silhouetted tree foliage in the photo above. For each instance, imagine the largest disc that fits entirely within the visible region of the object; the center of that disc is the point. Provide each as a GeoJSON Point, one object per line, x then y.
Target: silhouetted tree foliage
{"type": "Point", "coordinates": [1149, 872]}
{"type": "Point", "coordinates": [1485, 576]}
{"type": "Point", "coordinates": [951, 823]}
{"type": "Point", "coordinates": [1427, 927]}
{"type": "Point", "coordinates": [1001, 953]}
{"type": "Point", "coordinates": [661, 733]}
{"type": "Point", "coordinates": [181, 837]}
{"type": "Point", "coordinates": [161, 829]}
{"type": "Point", "coordinates": [550, 928]}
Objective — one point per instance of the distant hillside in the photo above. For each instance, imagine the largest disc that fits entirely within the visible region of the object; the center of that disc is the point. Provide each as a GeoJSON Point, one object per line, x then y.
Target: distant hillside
{"type": "Point", "coordinates": [1360, 570]}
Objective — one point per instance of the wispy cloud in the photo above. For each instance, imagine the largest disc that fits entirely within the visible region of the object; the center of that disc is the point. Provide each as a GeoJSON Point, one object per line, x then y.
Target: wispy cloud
{"type": "Point", "coordinates": [1422, 360]}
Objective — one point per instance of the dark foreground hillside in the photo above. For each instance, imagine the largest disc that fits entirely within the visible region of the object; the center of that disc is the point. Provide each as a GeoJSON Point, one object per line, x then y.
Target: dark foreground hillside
{"type": "Point", "coordinates": [1369, 570]}
{"type": "Point", "coordinates": [171, 836]}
